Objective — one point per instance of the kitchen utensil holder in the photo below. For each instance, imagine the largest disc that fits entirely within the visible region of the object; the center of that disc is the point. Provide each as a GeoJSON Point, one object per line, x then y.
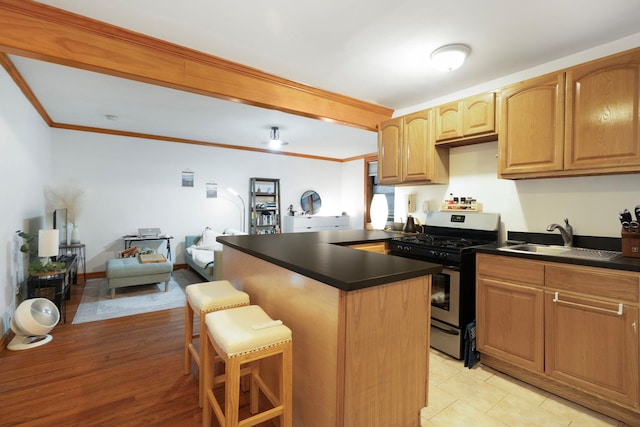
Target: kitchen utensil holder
{"type": "Point", "coordinates": [630, 243]}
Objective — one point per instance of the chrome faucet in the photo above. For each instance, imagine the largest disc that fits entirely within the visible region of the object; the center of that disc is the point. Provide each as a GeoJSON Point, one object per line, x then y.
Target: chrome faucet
{"type": "Point", "coordinates": [566, 231]}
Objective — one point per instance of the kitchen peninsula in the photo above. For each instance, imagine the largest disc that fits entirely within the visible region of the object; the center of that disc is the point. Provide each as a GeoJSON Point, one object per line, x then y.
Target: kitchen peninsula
{"type": "Point", "coordinates": [360, 322]}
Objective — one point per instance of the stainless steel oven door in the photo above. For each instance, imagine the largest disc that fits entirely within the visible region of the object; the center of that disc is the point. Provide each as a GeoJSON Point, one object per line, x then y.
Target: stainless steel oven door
{"type": "Point", "coordinates": [445, 296]}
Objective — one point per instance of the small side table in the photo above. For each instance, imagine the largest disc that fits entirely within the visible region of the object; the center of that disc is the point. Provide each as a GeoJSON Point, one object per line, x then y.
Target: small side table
{"type": "Point", "coordinates": [79, 250]}
{"type": "Point", "coordinates": [54, 285]}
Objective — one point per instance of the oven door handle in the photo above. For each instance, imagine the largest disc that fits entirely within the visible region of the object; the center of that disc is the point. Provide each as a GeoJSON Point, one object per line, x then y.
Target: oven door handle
{"type": "Point", "coordinates": [446, 331]}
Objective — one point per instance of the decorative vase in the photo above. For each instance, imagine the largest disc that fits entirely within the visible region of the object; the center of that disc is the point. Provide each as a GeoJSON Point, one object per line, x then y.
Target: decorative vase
{"type": "Point", "coordinates": [75, 235]}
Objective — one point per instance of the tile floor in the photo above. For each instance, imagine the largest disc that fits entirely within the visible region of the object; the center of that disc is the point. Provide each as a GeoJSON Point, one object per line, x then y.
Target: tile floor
{"type": "Point", "coordinates": [481, 396]}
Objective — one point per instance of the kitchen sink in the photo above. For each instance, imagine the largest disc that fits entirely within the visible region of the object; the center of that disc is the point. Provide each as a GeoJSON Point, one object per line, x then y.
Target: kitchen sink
{"type": "Point", "coordinates": [562, 251]}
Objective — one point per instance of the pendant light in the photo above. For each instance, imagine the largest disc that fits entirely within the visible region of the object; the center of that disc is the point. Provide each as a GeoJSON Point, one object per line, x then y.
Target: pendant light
{"type": "Point", "coordinates": [274, 139]}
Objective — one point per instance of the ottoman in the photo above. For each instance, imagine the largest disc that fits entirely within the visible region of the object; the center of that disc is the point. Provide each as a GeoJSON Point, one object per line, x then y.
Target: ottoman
{"type": "Point", "coordinates": [130, 272]}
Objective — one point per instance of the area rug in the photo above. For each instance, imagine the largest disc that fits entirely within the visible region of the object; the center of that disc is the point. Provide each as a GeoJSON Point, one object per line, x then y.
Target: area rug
{"type": "Point", "coordinates": [96, 303]}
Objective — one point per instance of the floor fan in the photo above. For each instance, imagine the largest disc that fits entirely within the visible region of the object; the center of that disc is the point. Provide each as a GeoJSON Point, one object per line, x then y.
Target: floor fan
{"type": "Point", "coordinates": [33, 320]}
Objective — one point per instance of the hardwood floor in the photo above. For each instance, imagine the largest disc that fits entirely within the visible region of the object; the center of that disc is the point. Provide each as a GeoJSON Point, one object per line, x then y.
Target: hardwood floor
{"type": "Point", "coordinates": [118, 372]}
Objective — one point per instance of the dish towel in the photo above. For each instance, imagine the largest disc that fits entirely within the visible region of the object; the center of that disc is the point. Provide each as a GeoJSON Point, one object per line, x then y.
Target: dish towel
{"type": "Point", "coordinates": [470, 353]}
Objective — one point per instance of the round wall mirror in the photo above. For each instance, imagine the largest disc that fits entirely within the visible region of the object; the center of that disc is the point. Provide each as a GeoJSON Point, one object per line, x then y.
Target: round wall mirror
{"type": "Point", "coordinates": [310, 202]}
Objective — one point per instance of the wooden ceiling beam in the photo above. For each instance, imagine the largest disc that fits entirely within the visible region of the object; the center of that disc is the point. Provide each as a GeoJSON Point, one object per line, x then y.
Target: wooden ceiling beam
{"type": "Point", "coordinates": [45, 33]}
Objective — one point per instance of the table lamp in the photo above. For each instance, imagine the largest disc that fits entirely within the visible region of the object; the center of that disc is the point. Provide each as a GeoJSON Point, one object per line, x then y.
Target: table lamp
{"type": "Point", "coordinates": [48, 243]}
{"type": "Point", "coordinates": [379, 211]}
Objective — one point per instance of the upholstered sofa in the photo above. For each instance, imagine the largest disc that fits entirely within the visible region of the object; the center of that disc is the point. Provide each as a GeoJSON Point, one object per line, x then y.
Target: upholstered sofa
{"type": "Point", "coordinates": [203, 255]}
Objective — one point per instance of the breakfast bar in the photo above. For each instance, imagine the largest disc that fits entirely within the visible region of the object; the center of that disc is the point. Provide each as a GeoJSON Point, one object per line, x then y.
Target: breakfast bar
{"type": "Point", "coordinates": [360, 322]}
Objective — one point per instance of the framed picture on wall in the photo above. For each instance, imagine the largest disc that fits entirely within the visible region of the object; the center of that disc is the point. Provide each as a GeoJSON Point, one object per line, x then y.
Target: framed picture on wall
{"type": "Point", "coordinates": [212, 190]}
{"type": "Point", "coordinates": [187, 178]}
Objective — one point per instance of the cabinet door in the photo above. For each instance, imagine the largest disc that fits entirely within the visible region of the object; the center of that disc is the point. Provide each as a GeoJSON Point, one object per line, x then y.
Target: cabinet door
{"type": "Point", "coordinates": [510, 323]}
{"type": "Point", "coordinates": [532, 126]}
{"type": "Point", "coordinates": [416, 147]}
{"type": "Point", "coordinates": [478, 114]}
{"type": "Point", "coordinates": [602, 114]}
{"type": "Point", "coordinates": [389, 152]}
{"type": "Point", "coordinates": [590, 345]}
{"type": "Point", "coordinates": [449, 121]}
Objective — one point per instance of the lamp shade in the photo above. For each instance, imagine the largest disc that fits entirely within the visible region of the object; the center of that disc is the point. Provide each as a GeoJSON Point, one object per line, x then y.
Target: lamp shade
{"type": "Point", "coordinates": [379, 211]}
{"type": "Point", "coordinates": [48, 241]}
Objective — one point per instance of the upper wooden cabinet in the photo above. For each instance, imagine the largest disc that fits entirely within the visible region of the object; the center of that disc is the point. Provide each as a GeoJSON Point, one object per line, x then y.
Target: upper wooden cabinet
{"type": "Point", "coordinates": [531, 137]}
{"type": "Point", "coordinates": [466, 121]}
{"type": "Point", "coordinates": [390, 151]}
{"type": "Point", "coordinates": [406, 153]}
{"type": "Point", "coordinates": [580, 121]}
{"type": "Point", "coordinates": [602, 114]}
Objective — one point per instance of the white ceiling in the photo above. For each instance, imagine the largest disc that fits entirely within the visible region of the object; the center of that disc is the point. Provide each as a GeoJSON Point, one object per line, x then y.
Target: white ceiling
{"type": "Point", "coordinates": [373, 50]}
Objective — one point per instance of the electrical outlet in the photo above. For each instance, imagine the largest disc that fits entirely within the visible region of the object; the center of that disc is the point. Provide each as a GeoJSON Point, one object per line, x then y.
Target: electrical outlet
{"type": "Point", "coordinates": [411, 203]}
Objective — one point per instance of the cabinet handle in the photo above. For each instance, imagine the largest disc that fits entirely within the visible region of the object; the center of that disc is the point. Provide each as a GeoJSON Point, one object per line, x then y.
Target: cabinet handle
{"type": "Point", "coordinates": [556, 298]}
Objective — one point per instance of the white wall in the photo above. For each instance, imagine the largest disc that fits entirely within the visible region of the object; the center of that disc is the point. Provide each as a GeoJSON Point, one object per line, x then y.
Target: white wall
{"type": "Point", "coordinates": [591, 203]}
{"type": "Point", "coordinates": [131, 183]}
{"type": "Point", "coordinates": [24, 169]}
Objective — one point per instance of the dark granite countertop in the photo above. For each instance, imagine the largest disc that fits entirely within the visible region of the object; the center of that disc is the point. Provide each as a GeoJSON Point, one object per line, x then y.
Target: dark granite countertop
{"type": "Point", "coordinates": [605, 243]}
{"type": "Point", "coordinates": [323, 256]}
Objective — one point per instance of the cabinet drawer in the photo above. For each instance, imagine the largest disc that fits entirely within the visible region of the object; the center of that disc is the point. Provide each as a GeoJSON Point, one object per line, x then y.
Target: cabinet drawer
{"type": "Point", "coordinates": [610, 284]}
{"type": "Point", "coordinates": [511, 268]}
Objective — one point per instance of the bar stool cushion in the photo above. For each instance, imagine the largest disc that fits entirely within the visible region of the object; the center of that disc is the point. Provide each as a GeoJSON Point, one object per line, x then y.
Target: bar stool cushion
{"type": "Point", "coordinates": [216, 295]}
{"type": "Point", "coordinates": [245, 329]}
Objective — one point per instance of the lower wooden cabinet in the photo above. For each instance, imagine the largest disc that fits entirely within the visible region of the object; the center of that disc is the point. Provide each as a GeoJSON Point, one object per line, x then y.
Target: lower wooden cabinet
{"type": "Point", "coordinates": [569, 329]}
{"type": "Point", "coordinates": [510, 323]}
{"type": "Point", "coordinates": [593, 345]}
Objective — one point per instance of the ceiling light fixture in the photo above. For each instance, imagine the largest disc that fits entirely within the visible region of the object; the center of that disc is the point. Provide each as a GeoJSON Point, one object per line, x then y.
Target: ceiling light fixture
{"type": "Point", "coordinates": [450, 57]}
{"type": "Point", "coordinates": [274, 138]}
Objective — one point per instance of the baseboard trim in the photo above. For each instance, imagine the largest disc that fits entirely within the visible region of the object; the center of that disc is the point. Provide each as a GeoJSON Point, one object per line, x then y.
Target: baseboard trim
{"type": "Point", "coordinates": [627, 415]}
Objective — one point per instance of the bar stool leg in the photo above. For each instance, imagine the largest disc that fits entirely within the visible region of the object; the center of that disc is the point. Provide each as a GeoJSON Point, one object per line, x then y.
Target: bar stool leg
{"type": "Point", "coordinates": [286, 386]}
{"type": "Point", "coordinates": [254, 391]}
{"type": "Point", "coordinates": [203, 359]}
{"type": "Point", "coordinates": [207, 366]}
{"type": "Point", "coordinates": [232, 392]}
{"type": "Point", "coordinates": [188, 337]}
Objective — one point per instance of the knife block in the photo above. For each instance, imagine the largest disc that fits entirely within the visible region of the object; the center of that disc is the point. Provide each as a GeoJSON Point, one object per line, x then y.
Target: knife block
{"type": "Point", "coordinates": [630, 244]}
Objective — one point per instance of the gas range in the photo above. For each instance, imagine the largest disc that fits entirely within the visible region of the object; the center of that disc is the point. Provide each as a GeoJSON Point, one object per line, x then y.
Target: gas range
{"type": "Point", "coordinates": [438, 248]}
{"type": "Point", "coordinates": [449, 239]}
{"type": "Point", "coordinates": [447, 236]}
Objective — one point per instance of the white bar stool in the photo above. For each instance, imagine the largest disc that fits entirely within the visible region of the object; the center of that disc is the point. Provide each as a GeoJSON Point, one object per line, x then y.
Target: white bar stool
{"type": "Point", "coordinates": [242, 337]}
{"type": "Point", "coordinates": [203, 298]}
